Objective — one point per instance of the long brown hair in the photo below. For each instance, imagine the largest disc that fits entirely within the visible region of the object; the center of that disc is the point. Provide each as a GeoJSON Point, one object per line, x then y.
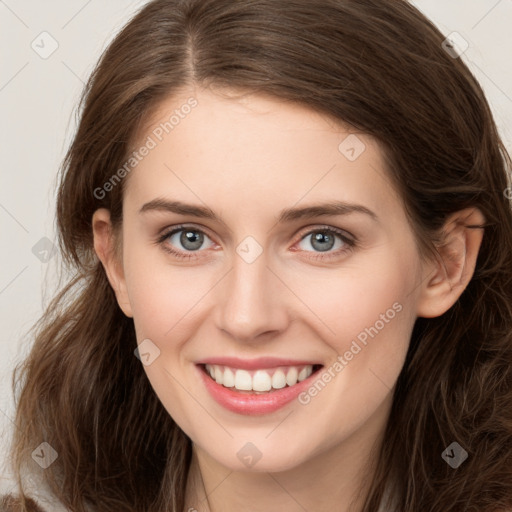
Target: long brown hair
{"type": "Point", "coordinates": [378, 65]}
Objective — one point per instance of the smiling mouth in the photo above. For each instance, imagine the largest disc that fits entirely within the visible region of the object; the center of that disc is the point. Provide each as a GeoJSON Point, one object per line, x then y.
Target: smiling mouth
{"type": "Point", "coordinates": [262, 381]}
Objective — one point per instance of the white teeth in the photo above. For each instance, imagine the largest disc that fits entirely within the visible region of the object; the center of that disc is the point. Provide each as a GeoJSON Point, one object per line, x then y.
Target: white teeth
{"type": "Point", "coordinates": [219, 374]}
{"type": "Point", "coordinates": [278, 380]}
{"type": "Point", "coordinates": [229, 378]}
{"type": "Point", "coordinates": [243, 380]}
{"type": "Point", "coordinates": [304, 373]}
{"type": "Point", "coordinates": [291, 376]}
{"type": "Point", "coordinates": [260, 380]}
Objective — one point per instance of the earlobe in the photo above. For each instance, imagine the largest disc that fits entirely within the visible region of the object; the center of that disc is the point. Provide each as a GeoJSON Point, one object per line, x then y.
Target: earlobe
{"type": "Point", "coordinates": [455, 264]}
{"type": "Point", "coordinates": [104, 246]}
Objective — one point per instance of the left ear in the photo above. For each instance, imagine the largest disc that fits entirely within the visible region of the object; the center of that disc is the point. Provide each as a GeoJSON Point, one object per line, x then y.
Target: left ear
{"type": "Point", "coordinates": [456, 260]}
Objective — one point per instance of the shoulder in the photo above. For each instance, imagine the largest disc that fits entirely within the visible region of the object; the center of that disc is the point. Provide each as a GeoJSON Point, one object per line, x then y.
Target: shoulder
{"type": "Point", "coordinates": [9, 503]}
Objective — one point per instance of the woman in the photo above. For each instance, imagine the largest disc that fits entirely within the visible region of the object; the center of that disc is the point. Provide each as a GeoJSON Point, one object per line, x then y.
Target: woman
{"type": "Point", "coordinates": [292, 243]}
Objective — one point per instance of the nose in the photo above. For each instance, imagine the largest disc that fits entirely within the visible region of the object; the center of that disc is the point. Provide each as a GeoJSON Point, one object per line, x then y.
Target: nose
{"type": "Point", "coordinates": [252, 302]}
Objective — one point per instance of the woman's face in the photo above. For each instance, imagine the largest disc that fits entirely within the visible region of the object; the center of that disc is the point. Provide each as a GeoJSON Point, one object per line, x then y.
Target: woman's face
{"type": "Point", "coordinates": [289, 250]}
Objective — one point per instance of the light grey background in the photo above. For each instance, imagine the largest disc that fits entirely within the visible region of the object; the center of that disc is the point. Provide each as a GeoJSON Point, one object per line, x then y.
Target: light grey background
{"type": "Point", "coordinates": [38, 97]}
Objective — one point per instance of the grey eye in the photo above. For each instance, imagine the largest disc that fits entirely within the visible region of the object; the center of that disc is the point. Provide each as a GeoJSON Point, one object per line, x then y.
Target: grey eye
{"type": "Point", "coordinates": [322, 241]}
{"type": "Point", "coordinates": [189, 239]}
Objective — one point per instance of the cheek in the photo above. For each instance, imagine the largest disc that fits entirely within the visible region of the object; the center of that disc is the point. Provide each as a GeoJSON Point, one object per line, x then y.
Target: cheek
{"type": "Point", "coordinates": [372, 316]}
{"type": "Point", "coordinates": [161, 294]}
{"type": "Point", "coordinates": [354, 298]}
{"type": "Point", "coordinates": [367, 315]}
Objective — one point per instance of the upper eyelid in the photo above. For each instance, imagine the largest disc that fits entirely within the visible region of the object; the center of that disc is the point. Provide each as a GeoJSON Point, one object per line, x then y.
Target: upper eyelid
{"type": "Point", "coordinates": [179, 227]}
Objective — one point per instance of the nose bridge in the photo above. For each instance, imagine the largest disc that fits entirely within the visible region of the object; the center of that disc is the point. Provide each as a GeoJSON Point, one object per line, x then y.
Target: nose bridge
{"type": "Point", "coordinates": [251, 302]}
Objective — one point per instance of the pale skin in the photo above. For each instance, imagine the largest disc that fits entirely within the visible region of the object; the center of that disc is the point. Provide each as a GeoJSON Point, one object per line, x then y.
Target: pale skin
{"type": "Point", "coordinates": [247, 159]}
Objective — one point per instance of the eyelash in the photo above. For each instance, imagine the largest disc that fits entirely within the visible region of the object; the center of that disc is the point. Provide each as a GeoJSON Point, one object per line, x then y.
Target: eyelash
{"type": "Point", "coordinates": [350, 243]}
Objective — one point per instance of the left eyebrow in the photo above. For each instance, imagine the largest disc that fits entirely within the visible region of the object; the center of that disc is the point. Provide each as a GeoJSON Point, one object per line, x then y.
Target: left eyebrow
{"type": "Point", "coordinates": [288, 215]}
{"type": "Point", "coordinates": [332, 208]}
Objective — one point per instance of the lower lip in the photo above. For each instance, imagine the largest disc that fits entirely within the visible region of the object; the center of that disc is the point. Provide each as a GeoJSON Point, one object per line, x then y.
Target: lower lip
{"type": "Point", "coordinates": [252, 404]}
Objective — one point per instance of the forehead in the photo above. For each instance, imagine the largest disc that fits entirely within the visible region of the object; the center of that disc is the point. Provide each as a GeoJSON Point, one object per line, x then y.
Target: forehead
{"type": "Point", "coordinates": [242, 150]}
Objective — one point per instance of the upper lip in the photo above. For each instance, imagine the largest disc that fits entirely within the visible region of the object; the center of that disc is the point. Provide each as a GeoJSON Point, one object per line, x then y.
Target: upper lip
{"type": "Point", "coordinates": [255, 364]}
